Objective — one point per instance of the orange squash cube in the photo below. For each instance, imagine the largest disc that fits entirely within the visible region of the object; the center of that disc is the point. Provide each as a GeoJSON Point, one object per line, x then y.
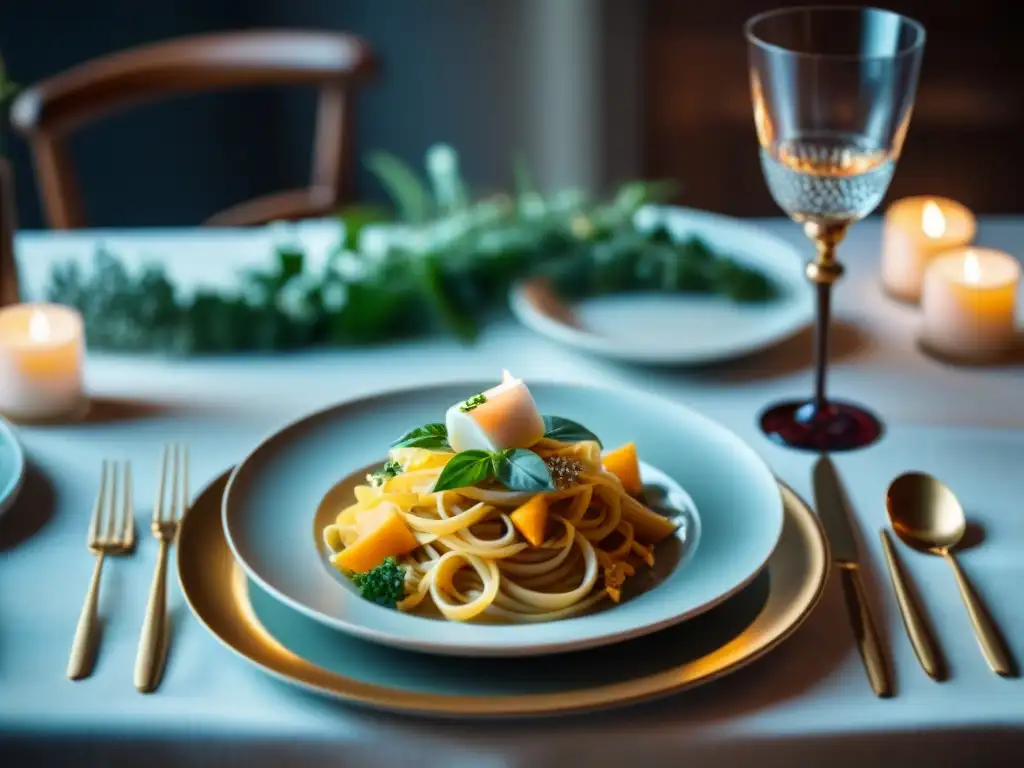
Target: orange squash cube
{"type": "Point", "coordinates": [623, 463]}
{"type": "Point", "coordinates": [382, 533]}
{"type": "Point", "coordinates": [531, 519]}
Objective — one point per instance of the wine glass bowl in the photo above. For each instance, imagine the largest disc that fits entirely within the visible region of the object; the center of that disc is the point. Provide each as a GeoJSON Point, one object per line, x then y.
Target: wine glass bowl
{"type": "Point", "coordinates": [833, 90]}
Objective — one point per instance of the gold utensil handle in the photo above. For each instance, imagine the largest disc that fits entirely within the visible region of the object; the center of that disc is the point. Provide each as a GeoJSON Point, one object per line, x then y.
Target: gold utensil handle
{"type": "Point", "coordinates": [83, 647]}
{"type": "Point", "coordinates": [917, 629]}
{"type": "Point", "coordinates": [868, 644]}
{"type": "Point", "coordinates": [988, 636]}
{"type": "Point", "coordinates": [149, 660]}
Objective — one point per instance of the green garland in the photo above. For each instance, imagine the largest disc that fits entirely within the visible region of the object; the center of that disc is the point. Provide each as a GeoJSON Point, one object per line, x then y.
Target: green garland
{"type": "Point", "coordinates": [450, 270]}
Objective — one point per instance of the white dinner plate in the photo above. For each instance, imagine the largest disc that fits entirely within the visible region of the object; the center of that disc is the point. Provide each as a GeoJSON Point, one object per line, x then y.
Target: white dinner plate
{"type": "Point", "coordinates": [12, 466]}
{"type": "Point", "coordinates": [683, 329]}
{"type": "Point", "coordinates": [273, 496]}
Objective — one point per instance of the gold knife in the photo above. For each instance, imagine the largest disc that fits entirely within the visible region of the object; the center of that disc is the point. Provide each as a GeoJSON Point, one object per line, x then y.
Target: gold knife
{"type": "Point", "coordinates": [834, 512]}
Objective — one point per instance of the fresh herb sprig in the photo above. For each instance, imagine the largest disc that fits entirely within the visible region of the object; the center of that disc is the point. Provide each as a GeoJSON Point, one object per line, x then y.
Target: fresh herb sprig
{"type": "Point", "coordinates": [433, 436]}
{"type": "Point", "coordinates": [390, 469]}
{"type": "Point", "coordinates": [383, 585]}
{"type": "Point", "coordinates": [473, 402]}
{"type": "Point", "coordinates": [518, 469]}
{"type": "Point", "coordinates": [567, 431]}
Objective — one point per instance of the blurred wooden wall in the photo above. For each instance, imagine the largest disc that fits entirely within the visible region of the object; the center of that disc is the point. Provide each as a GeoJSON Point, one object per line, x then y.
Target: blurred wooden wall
{"type": "Point", "coordinates": [966, 139]}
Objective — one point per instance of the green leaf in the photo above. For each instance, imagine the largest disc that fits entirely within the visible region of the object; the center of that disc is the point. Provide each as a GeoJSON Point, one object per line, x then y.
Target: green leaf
{"type": "Point", "coordinates": [355, 219]}
{"type": "Point", "coordinates": [410, 196]}
{"type": "Point", "coordinates": [454, 314]}
{"type": "Point", "coordinates": [465, 469]}
{"type": "Point", "coordinates": [635, 194]}
{"type": "Point", "coordinates": [443, 171]}
{"type": "Point", "coordinates": [289, 262]}
{"type": "Point", "coordinates": [521, 470]}
{"type": "Point", "coordinates": [427, 436]}
{"type": "Point", "coordinates": [567, 431]}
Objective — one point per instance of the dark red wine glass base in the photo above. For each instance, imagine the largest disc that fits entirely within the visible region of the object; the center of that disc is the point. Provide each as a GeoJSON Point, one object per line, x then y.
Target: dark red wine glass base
{"type": "Point", "coordinates": [838, 426]}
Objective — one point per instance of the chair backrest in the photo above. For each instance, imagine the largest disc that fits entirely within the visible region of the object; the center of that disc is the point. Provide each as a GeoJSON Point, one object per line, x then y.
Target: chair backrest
{"type": "Point", "coordinates": [49, 111]}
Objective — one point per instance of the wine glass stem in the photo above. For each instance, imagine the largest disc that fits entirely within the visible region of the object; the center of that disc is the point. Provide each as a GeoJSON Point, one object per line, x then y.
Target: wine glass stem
{"type": "Point", "coordinates": [821, 329]}
{"type": "Point", "coordinates": [823, 271]}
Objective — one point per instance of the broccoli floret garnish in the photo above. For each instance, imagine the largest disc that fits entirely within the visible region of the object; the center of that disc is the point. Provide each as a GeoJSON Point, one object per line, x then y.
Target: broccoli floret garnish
{"type": "Point", "coordinates": [383, 585]}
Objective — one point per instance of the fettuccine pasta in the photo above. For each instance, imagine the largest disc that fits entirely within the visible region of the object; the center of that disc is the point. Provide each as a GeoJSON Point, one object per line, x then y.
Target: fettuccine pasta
{"type": "Point", "coordinates": [468, 551]}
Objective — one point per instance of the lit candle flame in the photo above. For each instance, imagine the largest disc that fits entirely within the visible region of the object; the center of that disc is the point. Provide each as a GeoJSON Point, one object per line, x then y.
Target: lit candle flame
{"type": "Point", "coordinates": [972, 268]}
{"type": "Point", "coordinates": [933, 222]}
{"type": "Point", "coordinates": [38, 326]}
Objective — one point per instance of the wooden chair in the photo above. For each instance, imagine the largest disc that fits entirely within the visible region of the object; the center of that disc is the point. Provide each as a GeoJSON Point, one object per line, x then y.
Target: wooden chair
{"type": "Point", "coordinates": [49, 111]}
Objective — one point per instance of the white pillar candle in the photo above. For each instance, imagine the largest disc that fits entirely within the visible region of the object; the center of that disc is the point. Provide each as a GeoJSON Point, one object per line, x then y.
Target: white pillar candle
{"type": "Point", "coordinates": [41, 355]}
{"type": "Point", "coordinates": [914, 230]}
{"type": "Point", "coordinates": [968, 301]}
{"type": "Point", "coordinates": [504, 416]}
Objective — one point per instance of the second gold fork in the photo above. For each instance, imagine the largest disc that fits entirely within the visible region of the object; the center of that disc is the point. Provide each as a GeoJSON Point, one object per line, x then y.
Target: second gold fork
{"type": "Point", "coordinates": [149, 662]}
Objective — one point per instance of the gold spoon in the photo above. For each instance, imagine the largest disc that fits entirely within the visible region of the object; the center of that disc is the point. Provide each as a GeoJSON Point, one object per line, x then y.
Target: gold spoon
{"type": "Point", "coordinates": [927, 515]}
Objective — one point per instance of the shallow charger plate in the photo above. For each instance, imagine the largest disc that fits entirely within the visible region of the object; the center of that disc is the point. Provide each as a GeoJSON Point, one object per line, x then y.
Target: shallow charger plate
{"type": "Point", "coordinates": [274, 494]}
{"type": "Point", "coordinates": [12, 466]}
{"type": "Point", "coordinates": [681, 329]}
{"type": "Point", "coordinates": [305, 653]}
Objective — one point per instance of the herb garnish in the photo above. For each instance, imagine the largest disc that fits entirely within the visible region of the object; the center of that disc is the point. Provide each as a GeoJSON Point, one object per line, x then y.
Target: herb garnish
{"type": "Point", "coordinates": [473, 402]}
{"type": "Point", "coordinates": [566, 431]}
{"type": "Point", "coordinates": [383, 585]}
{"type": "Point", "coordinates": [465, 469]}
{"type": "Point", "coordinates": [427, 436]}
{"type": "Point", "coordinates": [516, 468]}
{"type": "Point", "coordinates": [390, 469]}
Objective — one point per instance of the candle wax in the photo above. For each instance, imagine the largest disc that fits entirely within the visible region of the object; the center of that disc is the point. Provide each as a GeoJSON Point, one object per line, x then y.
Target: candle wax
{"type": "Point", "coordinates": [915, 229]}
{"type": "Point", "coordinates": [968, 301]}
{"type": "Point", "coordinates": [41, 359]}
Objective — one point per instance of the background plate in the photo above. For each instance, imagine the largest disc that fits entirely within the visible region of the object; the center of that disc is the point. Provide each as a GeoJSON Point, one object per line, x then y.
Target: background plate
{"type": "Point", "coordinates": [296, 650]}
{"type": "Point", "coordinates": [683, 329]}
{"type": "Point", "coordinates": [274, 493]}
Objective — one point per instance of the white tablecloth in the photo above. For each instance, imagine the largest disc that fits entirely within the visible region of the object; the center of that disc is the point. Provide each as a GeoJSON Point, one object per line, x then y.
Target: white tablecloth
{"type": "Point", "coordinates": [805, 703]}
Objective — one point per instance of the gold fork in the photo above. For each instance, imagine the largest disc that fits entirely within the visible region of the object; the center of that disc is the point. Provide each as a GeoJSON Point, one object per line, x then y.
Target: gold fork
{"type": "Point", "coordinates": [149, 662]}
{"type": "Point", "coordinates": [111, 532]}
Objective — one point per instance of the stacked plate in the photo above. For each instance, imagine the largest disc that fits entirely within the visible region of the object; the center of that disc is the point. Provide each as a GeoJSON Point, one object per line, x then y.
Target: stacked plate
{"type": "Point", "coordinates": [747, 565]}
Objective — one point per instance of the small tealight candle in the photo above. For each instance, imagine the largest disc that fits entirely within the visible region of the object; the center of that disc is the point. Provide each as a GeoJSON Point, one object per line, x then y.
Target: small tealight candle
{"type": "Point", "coordinates": [41, 356]}
{"type": "Point", "coordinates": [914, 230]}
{"type": "Point", "coordinates": [968, 300]}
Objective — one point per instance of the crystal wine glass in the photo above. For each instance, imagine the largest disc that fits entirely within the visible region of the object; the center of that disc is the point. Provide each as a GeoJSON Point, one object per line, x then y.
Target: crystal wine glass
{"type": "Point", "coordinates": [833, 89]}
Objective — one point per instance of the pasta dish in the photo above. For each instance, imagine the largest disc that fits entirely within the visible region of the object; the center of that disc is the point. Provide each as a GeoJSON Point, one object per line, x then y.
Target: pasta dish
{"type": "Point", "coordinates": [498, 513]}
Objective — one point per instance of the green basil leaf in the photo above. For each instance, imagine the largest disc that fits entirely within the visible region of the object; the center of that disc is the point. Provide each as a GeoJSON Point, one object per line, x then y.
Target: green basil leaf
{"type": "Point", "coordinates": [523, 470]}
{"type": "Point", "coordinates": [427, 436]}
{"type": "Point", "coordinates": [566, 431]}
{"type": "Point", "coordinates": [465, 469]}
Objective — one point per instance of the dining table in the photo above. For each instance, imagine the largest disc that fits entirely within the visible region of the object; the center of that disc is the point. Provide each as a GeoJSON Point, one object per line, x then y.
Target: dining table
{"type": "Point", "coordinates": [806, 703]}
